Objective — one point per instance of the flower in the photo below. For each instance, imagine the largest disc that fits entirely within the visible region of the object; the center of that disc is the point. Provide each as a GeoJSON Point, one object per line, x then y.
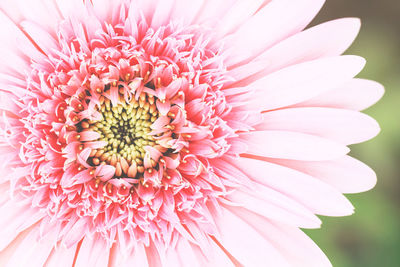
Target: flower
{"type": "Point", "coordinates": [176, 133]}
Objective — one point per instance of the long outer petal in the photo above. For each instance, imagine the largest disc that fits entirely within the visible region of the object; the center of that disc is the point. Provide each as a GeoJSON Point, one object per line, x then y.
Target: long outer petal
{"type": "Point", "coordinates": [275, 22]}
{"type": "Point", "coordinates": [301, 82]}
{"type": "Point", "coordinates": [291, 145]}
{"type": "Point", "coordinates": [341, 125]}
{"type": "Point", "coordinates": [328, 39]}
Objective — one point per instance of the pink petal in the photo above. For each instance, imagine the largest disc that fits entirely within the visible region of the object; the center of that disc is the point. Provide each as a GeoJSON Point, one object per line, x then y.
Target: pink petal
{"type": "Point", "coordinates": [11, 39]}
{"type": "Point", "coordinates": [171, 258]}
{"type": "Point", "coordinates": [96, 144]}
{"type": "Point", "coordinates": [274, 205]}
{"type": "Point", "coordinates": [205, 147]}
{"type": "Point", "coordinates": [297, 248]}
{"type": "Point", "coordinates": [344, 126]}
{"type": "Point", "coordinates": [72, 9]}
{"type": "Point", "coordinates": [33, 10]}
{"type": "Point", "coordinates": [186, 10]}
{"type": "Point", "coordinates": [32, 251]}
{"type": "Point", "coordinates": [356, 94]}
{"type": "Point", "coordinates": [304, 81]}
{"type": "Point", "coordinates": [145, 193]}
{"type": "Point", "coordinates": [237, 15]}
{"type": "Point", "coordinates": [61, 257]}
{"type": "Point", "coordinates": [75, 233]}
{"type": "Point", "coordinates": [160, 122]}
{"type": "Point", "coordinates": [132, 19]}
{"type": "Point", "coordinates": [246, 245]}
{"type": "Point", "coordinates": [328, 39]}
{"type": "Point", "coordinates": [277, 21]}
{"type": "Point", "coordinates": [291, 145]}
{"type": "Point", "coordinates": [96, 83]}
{"type": "Point", "coordinates": [210, 11]}
{"type": "Point", "coordinates": [105, 172]}
{"type": "Point", "coordinates": [93, 252]}
{"type": "Point", "coordinates": [144, 6]}
{"type": "Point", "coordinates": [346, 173]}
{"type": "Point", "coordinates": [21, 216]}
{"type": "Point", "coordinates": [7, 252]}
{"type": "Point", "coordinates": [123, 257]}
{"type": "Point", "coordinates": [216, 257]}
{"type": "Point", "coordinates": [139, 257]}
{"type": "Point", "coordinates": [162, 13]}
{"type": "Point", "coordinates": [153, 257]}
{"type": "Point", "coordinates": [89, 136]}
{"type": "Point", "coordinates": [83, 157]}
{"type": "Point", "coordinates": [80, 178]}
{"type": "Point", "coordinates": [40, 36]}
{"type": "Point", "coordinates": [104, 9]}
{"type": "Point", "coordinates": [186, 254]}
{"type": "Point", "coordinates": [298, 186]}
{"type": "Point", "coordinates": [163, 108]}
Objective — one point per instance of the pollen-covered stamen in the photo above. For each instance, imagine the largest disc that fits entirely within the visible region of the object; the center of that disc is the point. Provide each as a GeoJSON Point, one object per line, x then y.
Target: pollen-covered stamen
{"type": "Point", "coordinates": [126, 129]}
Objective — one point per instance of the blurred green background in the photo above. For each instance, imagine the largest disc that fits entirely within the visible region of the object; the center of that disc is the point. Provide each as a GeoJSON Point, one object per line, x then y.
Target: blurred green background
{"type": "Point", "coordinates": [371, 237]}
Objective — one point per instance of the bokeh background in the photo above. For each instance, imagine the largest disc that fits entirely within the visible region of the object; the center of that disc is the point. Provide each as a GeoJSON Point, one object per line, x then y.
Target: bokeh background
{"type": "Point", "coordinates": [371, 237]}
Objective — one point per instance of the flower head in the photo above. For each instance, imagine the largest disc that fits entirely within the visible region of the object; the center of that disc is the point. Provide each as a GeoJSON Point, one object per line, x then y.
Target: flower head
{"type": "Point", "coordinates": [158, 133]}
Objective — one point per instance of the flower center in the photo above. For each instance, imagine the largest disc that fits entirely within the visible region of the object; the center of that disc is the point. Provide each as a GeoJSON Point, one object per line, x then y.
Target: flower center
{"type": "Point", "coordinates": [125, 128]}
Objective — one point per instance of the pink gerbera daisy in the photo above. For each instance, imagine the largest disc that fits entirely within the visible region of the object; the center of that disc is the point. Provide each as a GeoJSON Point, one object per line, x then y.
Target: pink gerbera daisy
{"type": "Point", "coordinates": [175, 132]}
